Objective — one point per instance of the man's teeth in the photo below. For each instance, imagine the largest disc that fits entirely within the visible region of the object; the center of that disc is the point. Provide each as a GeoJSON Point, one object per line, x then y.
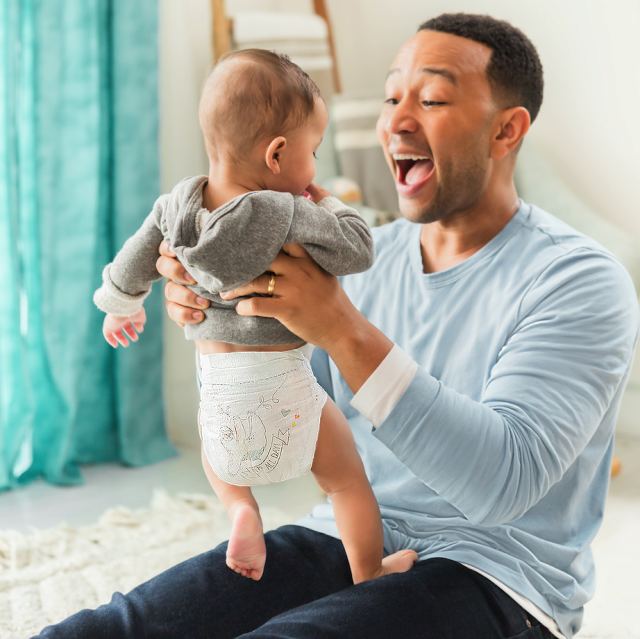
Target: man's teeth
{"type": "Point", "coordinates": [406, 156]}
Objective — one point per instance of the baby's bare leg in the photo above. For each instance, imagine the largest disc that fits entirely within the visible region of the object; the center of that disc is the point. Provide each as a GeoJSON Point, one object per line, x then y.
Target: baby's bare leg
{"type": "Point", "coordinates": [338, 469]}
{"type": "Point", "coordinates": [246, 552]}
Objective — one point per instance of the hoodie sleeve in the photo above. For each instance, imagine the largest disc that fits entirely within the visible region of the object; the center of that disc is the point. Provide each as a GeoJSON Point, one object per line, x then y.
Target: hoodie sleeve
{"type": "Point", "coordinates": [127, 281]}
{"type": "Point", "coordinates": [335, 235]}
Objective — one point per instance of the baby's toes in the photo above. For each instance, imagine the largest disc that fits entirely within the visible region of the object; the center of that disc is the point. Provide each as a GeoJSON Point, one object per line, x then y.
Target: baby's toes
{"type": "Point", "coordinates": [234, 566]}
{"type": "Point", "coordinates": [400, 561]}
{"type": "Point", "coordinates": [256, 573]}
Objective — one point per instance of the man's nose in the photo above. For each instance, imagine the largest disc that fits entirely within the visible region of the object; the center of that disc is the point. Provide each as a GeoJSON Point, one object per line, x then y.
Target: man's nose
{"type": "Point", "coordinates": [402, 119]}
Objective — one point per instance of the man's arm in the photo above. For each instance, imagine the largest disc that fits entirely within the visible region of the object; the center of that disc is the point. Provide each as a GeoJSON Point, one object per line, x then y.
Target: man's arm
{"type": "Point", "coordinates": [559, 372]}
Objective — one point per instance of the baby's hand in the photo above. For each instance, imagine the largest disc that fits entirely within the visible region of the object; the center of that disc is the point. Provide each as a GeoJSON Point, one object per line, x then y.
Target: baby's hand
{"type": "Point", "coordinates": [317, 193]}
{"type": "Point", "coordinates": [116, 329]}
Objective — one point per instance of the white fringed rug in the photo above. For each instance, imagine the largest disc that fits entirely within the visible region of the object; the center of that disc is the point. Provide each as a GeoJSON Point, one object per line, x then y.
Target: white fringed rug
{"type": "Point", "coordinates": [47, 576]}
{"type": "Point", "coordinates": [53, 573]}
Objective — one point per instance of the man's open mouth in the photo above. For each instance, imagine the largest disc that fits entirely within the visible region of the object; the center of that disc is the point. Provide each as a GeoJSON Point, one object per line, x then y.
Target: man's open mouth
{"type": "Point", "coordinates": [412, 169]}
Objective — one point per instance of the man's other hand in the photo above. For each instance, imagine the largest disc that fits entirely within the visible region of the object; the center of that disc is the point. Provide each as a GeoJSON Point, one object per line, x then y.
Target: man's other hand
{"type": "Point", "coordinates": [180, 300]}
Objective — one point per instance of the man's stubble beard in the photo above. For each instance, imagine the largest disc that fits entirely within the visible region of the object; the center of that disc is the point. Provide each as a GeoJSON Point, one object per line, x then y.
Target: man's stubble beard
{"type": "Point", "coordinates": [460, 186]}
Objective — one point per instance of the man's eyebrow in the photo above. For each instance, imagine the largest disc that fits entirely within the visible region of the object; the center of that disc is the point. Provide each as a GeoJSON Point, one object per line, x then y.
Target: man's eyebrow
{"type": "Point", "coordinates": [443, 72]}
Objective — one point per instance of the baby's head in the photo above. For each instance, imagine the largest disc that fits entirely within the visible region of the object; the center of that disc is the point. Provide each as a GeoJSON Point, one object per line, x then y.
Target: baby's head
{"type": "Point", "coordinates": [261, 113]}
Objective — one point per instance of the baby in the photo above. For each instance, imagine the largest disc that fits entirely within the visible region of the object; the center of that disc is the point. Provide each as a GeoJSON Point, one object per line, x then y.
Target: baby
{"type": "Point", "coordinates": [263, 416]}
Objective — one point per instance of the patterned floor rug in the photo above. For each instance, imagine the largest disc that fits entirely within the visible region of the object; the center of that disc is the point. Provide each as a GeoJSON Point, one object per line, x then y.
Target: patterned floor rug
{"type": "Point", "coordinates": [53, 573]}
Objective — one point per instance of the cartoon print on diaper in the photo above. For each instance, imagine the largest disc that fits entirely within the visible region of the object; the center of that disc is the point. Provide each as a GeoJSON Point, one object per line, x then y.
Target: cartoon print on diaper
{"type": "Point", "coordinates": [285, 412]}
{"type": "Point", "coordinates": [245, 440]}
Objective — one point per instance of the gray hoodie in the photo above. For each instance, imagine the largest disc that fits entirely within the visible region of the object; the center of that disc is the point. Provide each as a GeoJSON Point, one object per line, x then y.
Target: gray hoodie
{"type": "Point", "coordinates": [230, 247]}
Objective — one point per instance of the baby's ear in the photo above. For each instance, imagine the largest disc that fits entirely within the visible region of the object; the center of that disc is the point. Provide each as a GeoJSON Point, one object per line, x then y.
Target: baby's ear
{"type": "Point", "coordinates": [272, 156]}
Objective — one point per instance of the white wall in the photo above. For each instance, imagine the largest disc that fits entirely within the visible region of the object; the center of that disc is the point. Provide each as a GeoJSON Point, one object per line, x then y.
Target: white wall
{"type": "Point", "coordinates": [588, 129]}
{"type": "Point", "coordinates": [185, 56]}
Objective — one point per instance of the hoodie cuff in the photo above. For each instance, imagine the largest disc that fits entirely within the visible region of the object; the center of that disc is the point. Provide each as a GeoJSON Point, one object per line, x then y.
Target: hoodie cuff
{"type": "Point", "coordinates": [110, 299]}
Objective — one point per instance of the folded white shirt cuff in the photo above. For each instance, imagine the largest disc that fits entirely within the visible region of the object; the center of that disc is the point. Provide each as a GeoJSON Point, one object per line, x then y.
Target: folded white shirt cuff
{"type": "Point", "coordinates": [380, 393]}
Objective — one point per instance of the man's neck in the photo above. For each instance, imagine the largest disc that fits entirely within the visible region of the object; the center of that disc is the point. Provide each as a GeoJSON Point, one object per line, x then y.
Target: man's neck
{"type": "Point", "coordinates": [454, 239]}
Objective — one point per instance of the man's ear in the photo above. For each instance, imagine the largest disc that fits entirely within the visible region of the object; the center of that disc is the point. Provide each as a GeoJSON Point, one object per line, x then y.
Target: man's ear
{"type": "Point", "coordinates": [513, 126]}
{"type": "Point", "coordinates": [272, 156]}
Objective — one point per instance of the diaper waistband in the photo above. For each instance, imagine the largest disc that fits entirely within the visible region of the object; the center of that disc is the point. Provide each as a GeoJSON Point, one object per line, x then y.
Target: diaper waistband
{"type": "Point", "coordinates": [217, 361]}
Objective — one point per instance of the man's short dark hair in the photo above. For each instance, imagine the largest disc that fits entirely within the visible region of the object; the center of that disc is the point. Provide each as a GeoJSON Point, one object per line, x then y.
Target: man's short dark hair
{"type": "Point", "coordinates": [514, 70]}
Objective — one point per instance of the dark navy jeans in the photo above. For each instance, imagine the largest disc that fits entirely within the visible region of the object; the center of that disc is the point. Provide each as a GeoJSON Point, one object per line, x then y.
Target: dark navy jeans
{"type": "Point", "coordinates": [306, 592]}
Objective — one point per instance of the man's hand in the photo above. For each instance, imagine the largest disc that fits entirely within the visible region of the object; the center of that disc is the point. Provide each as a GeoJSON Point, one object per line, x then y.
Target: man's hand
{"type": "Point", "coordinates": [311, 303]}
{"type": "Point", "coordinates": [306, 299]}
{"type": "Point", "coordinates": [116, 329]}
{"type": "Point", "coordinates": [180, 300]}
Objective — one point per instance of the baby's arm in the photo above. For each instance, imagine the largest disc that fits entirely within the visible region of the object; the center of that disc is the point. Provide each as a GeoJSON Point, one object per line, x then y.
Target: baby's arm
{"type": "Point", "coordinates": [128, 280]}
{"type": "Point", "coordinates": [335, 235]}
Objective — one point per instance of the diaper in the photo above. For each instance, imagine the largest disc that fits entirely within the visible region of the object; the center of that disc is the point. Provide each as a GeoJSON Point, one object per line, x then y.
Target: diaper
{"type": "Point", "coordinates": [259, 415]}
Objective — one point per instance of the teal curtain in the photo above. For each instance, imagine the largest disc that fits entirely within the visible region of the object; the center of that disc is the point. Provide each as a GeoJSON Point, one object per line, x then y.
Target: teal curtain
{"type": "Point", "coordinates": [79, 171]}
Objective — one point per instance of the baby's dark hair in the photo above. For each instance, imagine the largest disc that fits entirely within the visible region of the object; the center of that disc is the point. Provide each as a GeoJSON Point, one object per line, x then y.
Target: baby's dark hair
{"type": "Point", "coordinates": [252, 95]}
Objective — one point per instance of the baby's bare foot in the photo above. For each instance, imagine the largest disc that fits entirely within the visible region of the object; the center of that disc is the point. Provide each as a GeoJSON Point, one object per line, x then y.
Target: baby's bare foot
{"type": "Point", "coordinates": [246, 552]}
{"type": "Point", "coordinates": [400, 561]}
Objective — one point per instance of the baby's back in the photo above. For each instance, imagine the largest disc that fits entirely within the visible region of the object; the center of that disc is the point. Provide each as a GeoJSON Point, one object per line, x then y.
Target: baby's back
{"type": "Point", "coordinates": [231, 246]}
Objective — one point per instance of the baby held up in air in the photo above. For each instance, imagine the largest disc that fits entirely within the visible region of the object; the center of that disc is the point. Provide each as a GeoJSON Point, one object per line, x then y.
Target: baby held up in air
{"type": "Point", "coordinates": [263, 416]}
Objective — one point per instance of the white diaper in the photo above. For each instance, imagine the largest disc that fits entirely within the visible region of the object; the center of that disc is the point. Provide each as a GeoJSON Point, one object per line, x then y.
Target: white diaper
{"type": "Point", "coordinates": [259, 415]}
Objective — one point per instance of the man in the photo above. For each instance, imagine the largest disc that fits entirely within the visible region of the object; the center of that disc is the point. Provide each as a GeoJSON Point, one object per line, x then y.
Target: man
{"type": "Point", "coordinates": [480, 362]}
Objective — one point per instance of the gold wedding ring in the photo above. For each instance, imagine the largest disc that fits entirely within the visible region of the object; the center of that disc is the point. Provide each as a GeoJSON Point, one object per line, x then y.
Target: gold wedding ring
{"type": "Point", "coordinates": [272, 285]}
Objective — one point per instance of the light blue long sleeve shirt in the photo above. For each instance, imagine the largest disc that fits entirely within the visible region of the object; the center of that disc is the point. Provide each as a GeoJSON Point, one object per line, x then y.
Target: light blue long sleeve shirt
{"type": "Point", "coordinates": [499, 452]}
